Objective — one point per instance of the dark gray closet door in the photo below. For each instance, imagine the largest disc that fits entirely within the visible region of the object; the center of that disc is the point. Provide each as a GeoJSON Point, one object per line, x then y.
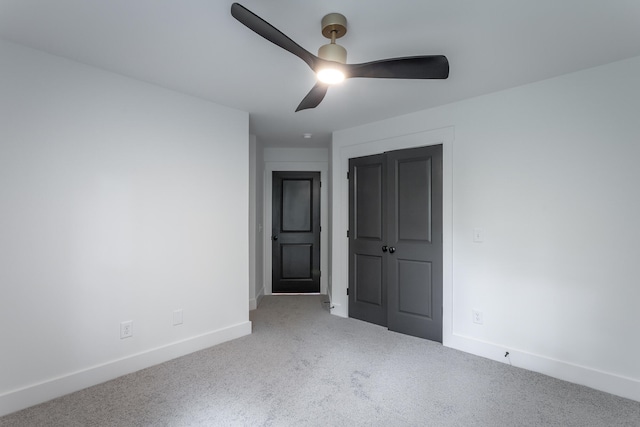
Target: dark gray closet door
{"type": "Point", "coordinates": [395, 240]}
{"type": "Point", "coordinates": [414, 237]}
{"type": "Point", "coordinates": [296, 232]}
{"type": "Point", "coordinates": [367, 270]}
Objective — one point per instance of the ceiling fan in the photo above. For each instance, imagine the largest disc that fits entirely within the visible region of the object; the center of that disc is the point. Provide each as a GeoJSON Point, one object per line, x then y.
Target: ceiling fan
{"type": "Point", "coordinates": [330, 65]}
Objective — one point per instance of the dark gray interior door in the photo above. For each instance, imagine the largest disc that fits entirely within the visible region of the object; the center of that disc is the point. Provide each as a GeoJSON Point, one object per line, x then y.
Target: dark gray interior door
{"type": "Point", "coordinates": [395, 240]}
{"type": "Point", "coordinates": [296, 232]}
{"type": "Point", "coordinates": [367, 270]}
{"type": "Point", "coordinates": [414, 236]}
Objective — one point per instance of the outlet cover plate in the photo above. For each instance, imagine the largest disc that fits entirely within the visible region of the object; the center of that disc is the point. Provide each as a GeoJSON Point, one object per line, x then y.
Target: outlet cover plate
{"type": "Point", "coordinates": [477, 317]}
{"type": "Point", "coordinates": [126, 329]}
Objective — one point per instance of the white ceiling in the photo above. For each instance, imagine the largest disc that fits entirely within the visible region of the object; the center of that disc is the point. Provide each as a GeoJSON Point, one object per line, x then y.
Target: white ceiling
{"type": "Point", "coordinates": [197, 47]}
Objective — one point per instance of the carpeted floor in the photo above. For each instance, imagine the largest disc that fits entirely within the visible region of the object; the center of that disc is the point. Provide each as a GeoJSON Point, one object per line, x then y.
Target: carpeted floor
{"type": "Point", "coordinates": [304, 367]}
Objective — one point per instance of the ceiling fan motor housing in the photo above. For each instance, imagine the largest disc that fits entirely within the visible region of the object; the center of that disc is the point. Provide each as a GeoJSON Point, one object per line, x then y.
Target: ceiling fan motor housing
{"type": "Point", "coordinates": [334, 26]}
{"type": "Point", "coordinates": [333, 52]}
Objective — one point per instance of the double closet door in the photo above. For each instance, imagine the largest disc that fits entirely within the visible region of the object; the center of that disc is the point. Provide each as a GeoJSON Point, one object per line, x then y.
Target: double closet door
{"type": "Point", "coordinates": [395, 240]}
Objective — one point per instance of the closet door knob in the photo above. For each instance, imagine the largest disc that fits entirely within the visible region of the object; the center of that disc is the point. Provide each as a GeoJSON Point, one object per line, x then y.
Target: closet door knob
{"type": "Point", "coordinates": [392, 250]}
{"type": "Point", "coordinates": [385, 248]}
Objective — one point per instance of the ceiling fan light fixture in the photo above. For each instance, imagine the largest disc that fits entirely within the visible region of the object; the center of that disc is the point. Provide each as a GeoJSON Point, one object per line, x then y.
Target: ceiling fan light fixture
{"type": "Point", "coordinates": [329, 73]}
{"type": "Point", "coordinates": [330, 76]}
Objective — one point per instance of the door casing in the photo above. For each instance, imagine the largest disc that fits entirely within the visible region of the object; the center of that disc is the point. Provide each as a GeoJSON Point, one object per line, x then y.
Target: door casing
{"type": "Point", "coordinates": [296, 232]}
{"type": "Point", "coordinates": [311, 166]}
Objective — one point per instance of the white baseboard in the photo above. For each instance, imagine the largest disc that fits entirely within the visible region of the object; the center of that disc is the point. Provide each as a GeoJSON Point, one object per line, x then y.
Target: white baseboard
{"type": "Point", "coordinates": [337, 310]}
{"type": "Point", "coordinates": [255, 302]}
{"type": "Point", "coordinates": [32, 395]}
{"type": "Point", "coordinates": [599, 380]}
{"type": "Point", "coordinates": [259, 297]}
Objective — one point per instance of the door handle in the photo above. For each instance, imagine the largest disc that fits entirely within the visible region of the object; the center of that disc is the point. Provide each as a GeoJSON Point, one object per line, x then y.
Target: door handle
{"type": "Point", "coordinates": [275, 237]}
{"type": "Point", "coordinates": [385, 248]}
{"type": "Point", "coordinates": [392, 250]}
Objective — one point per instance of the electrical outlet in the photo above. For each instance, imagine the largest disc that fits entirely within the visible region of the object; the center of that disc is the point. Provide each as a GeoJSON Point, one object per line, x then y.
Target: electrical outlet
{"type": "Point", "coordinates": [126, 329]}
{"type": "Point", "coordinates": [477, 317]}
{"type": "Point", "coordinates": [177, 317]}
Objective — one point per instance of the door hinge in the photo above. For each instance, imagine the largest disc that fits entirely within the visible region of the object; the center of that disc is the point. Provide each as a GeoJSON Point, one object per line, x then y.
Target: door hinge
{"type": "Point", "coordinates": [347, 233]}
{"type": "Point", "coordinates": [347, 291]}
{"type": "Point", "coordinates": [347, 175]}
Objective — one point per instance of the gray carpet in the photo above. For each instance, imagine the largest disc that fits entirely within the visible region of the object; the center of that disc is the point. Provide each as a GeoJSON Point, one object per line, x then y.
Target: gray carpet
{"type": "Point", "coordinates": [304, 367]}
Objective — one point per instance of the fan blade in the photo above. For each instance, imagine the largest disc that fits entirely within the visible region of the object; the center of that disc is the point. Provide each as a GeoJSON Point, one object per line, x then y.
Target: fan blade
{"type": "Point", "coordinates": [411, 67]}
{"type": "Point", "coordinates": [314, 97]}
{"type": "Point", "coordinates": [271, 33]}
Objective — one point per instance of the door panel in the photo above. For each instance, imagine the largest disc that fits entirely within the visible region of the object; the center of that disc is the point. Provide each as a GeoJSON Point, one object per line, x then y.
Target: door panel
{"type": "Point", "coordinates": [297, 261]}
{"type": "Point", "coordinates": [367, 271]}
{"type": "Point", "coordinates": [296, 232]}
{"type": "Point", "coordinates": [414, 201]}
{"type": "Point", "coordinates": [414, 299]}
{"type": "Point", "coordinates": [296, 204]}
{"type": "Point", "coordinates": [368, 204]}
{"type": "Point", "coordinates": [414, 222]}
